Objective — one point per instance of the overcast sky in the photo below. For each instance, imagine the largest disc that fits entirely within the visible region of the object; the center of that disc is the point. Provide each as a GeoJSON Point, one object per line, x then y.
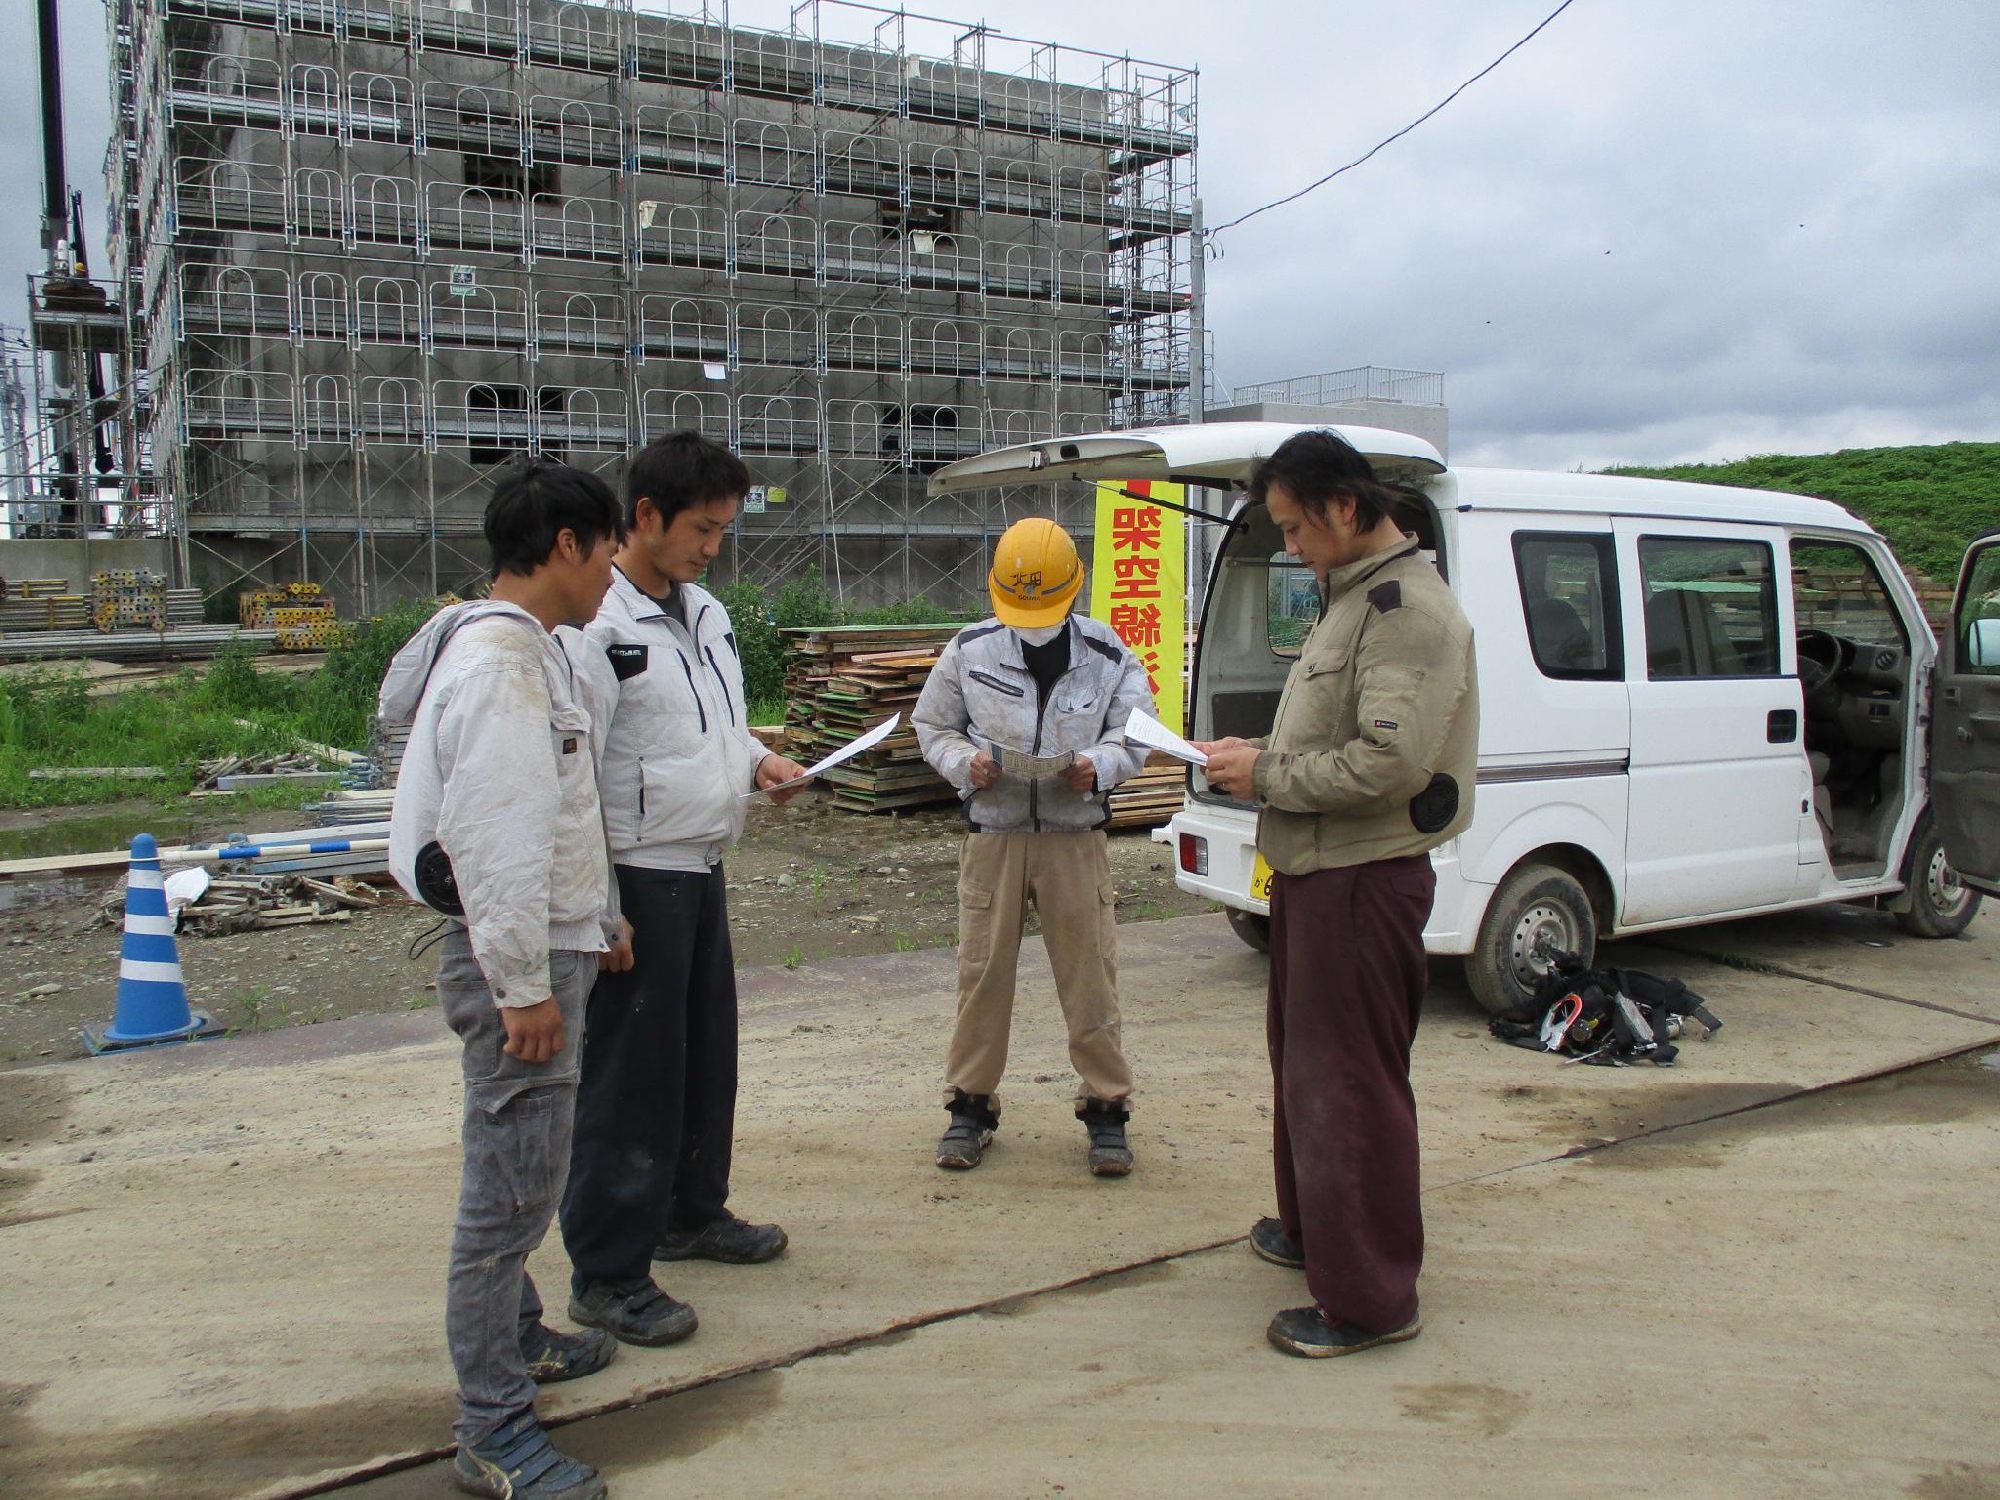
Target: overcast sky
{"type": "Point", "coordinates": [1664, 230]}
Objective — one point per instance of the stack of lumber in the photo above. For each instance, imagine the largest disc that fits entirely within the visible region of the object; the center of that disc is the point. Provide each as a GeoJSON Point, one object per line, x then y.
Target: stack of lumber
{"type": "Point", "coordinates": [1151, 797]}
{"type": "Point", "coordinates": [845, 679]}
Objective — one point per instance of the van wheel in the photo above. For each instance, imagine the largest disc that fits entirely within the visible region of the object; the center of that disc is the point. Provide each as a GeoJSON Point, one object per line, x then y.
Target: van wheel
{"type": "Point", "coordinates": [1941, 905]}
{"type": "Point", "coordinates": [1253, 929]}
{"type": "Point", "coordinates": [1537, 912]}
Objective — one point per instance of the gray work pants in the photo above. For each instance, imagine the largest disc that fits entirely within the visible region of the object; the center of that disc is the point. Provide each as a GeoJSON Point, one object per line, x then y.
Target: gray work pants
{"type": "Point", "coordinates": [516, 1134]}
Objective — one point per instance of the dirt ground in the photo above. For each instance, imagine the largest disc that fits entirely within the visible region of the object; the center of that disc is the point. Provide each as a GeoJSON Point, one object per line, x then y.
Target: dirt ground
{"type": "Point", "coordinates": [808, 883]}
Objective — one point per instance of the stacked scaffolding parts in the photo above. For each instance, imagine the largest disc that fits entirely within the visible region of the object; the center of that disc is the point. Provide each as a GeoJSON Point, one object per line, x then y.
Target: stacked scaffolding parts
{"type": "Point", "coordinates": [384, 244]}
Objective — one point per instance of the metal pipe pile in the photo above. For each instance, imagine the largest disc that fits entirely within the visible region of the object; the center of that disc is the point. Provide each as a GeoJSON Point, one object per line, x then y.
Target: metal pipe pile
{"type": "Point", "coordinates": [180, 643]}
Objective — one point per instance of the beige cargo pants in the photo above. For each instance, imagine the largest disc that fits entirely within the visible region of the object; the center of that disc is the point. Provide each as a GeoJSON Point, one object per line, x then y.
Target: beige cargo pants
{"type": "Point", "coordinates": [1068, 877]}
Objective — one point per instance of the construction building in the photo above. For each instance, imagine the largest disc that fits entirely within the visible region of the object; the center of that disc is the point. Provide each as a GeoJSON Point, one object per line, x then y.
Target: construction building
{"type": "Point", "coordinates": [369, 249]}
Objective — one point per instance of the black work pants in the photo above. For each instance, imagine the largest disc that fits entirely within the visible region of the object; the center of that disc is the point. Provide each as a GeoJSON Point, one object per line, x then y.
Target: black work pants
{"type": "Point", "coordinates": [656, 1108]}
{"type": "Point", "coordinates": [1348, 975]}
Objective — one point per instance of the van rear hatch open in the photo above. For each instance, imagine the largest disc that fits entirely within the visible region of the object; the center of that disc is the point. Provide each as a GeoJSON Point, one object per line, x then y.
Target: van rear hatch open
{"type": "Point", "coordinates": [1220, 454]}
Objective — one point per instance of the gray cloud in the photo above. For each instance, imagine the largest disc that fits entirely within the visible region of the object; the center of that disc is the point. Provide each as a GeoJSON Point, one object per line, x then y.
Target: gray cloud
{"type": "Point", "coordinates": [1800, 204]}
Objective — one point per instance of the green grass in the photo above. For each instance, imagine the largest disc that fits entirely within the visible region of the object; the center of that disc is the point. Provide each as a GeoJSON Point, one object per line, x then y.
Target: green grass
{"type": "Point", "coordinates": [49, 720]}
{"type": "Point", "coordinates": [1929, 502]}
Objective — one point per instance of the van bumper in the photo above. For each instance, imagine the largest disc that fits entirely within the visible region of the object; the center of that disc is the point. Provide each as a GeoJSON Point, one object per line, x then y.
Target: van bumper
{"type": "Point", "coordinates": [1230, 836]}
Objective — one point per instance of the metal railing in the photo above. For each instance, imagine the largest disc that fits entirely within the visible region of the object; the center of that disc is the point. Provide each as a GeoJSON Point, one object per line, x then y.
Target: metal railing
{"type": "Point", "coordinates": [1363, 383]}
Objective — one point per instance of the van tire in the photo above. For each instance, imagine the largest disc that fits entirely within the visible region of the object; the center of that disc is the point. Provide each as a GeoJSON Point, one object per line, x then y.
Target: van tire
{"type": "Point", "coordinates": [1253, 929]}
{"type": "Point", "coordinates": [1536, 904]}
{"type": "Point", "coordinates": [1941, 905]}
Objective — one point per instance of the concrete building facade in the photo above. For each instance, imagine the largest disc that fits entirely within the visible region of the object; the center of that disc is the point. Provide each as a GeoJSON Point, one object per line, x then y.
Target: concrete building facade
{"type": "Point", "coordinates": [374, 248]}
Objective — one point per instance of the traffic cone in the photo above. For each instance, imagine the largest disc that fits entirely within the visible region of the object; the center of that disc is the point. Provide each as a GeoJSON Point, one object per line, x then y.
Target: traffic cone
{"type": "Point", "coordinates": [152, 997]}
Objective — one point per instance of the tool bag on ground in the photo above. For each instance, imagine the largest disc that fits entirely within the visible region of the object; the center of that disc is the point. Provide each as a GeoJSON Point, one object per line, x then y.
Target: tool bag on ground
{"type": "Point", "coordinates": [1608, 1017]}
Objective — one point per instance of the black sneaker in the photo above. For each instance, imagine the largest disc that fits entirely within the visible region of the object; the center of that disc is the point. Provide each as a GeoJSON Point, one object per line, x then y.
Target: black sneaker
{"type": "Point", "coordinates": [553, 1356]}
{"type": "Point", "coordinates": [973, 1120]}
{"type": "Point", "coordinates": [641, 1314]}
{"type": "Point", "coordinates": [1110, 1156]}
{"type": "Point", "coordinates": [516, 1462]}
{"type": "Point", "coordinates": [727, 1239]}
{"type": "Point", "coordinates": [1311, 1334]}
{"type": "Point", "coordinates": [1269, 1240]}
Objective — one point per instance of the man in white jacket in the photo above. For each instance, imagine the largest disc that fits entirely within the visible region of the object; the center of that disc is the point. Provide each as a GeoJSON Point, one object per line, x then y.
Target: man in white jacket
{"type": "Point", "coordinates": [656, 1115]}
{"type": "Point", "coordinates": [496, 823]}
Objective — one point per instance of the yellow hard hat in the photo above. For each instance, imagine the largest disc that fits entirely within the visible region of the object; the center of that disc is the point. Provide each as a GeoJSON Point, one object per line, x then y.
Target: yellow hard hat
{"type": "Point", "coordinates": [1036, 574]}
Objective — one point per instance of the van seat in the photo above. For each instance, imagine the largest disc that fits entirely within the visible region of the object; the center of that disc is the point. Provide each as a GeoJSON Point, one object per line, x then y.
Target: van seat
{"type": "Point", "coordinates": [1685, 639]}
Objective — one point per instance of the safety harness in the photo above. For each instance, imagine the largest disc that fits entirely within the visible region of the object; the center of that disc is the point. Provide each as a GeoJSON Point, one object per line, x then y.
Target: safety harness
{"type": "Point", "coordinates": [1609, 1017]}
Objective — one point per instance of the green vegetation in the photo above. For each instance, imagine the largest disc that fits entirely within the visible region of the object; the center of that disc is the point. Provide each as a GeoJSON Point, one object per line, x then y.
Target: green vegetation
{"type": "Point", "coordinates": [49, 719]}
{"type": "Point", "coordinates": [1929, 502]}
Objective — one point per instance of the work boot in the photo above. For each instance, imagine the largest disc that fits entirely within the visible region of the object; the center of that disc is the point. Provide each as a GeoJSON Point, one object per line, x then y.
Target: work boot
{"type": "Point", "coordinates": [727, 1239]}
{"type": "Point", "coordinates": [1311, 1334]}
{"type": "Point", "coordinates": [1109, 1155]}
{"type": "Point", "coordinates": [973, 1120]}
{"type": "Point", "coordinates": [553, 1356]}
{"type": "Point", "coordinates": [1269, 1240]}
{"type": "Point", "coordinates": [517, 1462]}
{"type": "Point", "coordinates": [638, 1313]}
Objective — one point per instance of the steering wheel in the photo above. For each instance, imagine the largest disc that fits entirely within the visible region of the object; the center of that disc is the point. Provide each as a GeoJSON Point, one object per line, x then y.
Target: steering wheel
{"type": "Point", "coordinates": [1819, 661]}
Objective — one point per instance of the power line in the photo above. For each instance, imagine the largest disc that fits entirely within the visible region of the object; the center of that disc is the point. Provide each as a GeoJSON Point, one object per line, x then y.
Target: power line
{"type": "Point", "coordinates": [1322, 182]}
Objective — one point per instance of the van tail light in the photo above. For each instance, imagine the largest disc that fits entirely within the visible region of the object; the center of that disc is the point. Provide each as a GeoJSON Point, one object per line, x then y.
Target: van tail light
{"type": "Point", "coordinates": [1194, 854]}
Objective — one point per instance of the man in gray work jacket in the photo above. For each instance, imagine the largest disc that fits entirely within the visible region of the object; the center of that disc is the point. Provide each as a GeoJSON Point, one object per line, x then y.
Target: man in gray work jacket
{"type": "Point", "coordinates": [1035, 679]}
{"type": "Point", "coordinates": [656, 1112]}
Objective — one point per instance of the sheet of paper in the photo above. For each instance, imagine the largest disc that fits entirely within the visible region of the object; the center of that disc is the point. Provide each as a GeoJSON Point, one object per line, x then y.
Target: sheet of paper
{"type": "Point", "coordinates": [1023, 765]}
{"type": "Point", "coordinates": [1144, 729]}
{"type": "Point", "coordinates": [848, 751]}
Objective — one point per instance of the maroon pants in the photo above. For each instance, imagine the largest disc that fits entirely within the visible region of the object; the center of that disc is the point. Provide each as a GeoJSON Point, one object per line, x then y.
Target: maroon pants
{"type": "Point", "coordinates": [1347, 982]}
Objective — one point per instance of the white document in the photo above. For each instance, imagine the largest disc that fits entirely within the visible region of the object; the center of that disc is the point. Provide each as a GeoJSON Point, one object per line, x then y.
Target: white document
{"type": "Point", "coordinates": [1144, 729]}
{"type": "Point", "coordinates": [1023, 765]}
{"type": "Point", "coordinates": [848, 751]}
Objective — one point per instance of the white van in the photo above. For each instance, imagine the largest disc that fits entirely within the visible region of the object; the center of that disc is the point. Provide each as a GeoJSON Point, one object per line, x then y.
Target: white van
{"type": "Point", "coordinates": [1695, 702]}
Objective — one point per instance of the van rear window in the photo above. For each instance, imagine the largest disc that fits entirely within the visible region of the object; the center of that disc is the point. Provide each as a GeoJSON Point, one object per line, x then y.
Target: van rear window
{"type": "Point", "coordinates": [1569, 595]}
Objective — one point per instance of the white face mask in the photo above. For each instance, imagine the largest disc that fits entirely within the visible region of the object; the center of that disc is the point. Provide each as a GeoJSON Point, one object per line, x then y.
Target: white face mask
{"type": "Point", "coordinates": [1041, 635]}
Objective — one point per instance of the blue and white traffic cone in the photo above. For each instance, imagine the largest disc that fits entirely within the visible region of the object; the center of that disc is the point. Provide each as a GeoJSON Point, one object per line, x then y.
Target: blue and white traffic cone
{"type": "Point", "coordinates": [152, 997]}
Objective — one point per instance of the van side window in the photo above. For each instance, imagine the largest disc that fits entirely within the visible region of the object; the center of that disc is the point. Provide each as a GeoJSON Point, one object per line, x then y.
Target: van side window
{"type": "Point", "coordinates": [1711, 608]}
{"type": "Point", "coordinates": [1292, 606]}
{"type": "Point", "coordinates": [1569, 594]}
{"type": "Point", "coordinates": [1836, 588]}
{"type": "Point", "coordinates": [1978, 622]}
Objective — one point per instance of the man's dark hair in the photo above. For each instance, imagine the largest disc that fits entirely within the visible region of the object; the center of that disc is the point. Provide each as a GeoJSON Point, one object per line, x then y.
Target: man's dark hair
{"type": "Point", "coordinates": [535, 501]}
{"type": "Point", "coordinates": [1318, 466]}
{"type": "Point", "coordinates": [680, 470]}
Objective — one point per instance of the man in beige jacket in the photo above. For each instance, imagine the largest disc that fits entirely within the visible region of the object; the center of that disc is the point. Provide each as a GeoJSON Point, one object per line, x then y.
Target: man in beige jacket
{"type": "Point", "coordinates": [1369, 765]}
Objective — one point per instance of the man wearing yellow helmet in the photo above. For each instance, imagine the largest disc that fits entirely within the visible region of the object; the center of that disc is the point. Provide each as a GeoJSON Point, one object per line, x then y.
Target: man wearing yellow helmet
{"type": "Point", "coordinates": [1035, 681]}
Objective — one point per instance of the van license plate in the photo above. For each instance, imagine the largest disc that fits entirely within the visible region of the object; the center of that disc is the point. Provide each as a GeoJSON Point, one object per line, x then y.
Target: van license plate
{"type": "Point", "coordinates": [1260, 880]}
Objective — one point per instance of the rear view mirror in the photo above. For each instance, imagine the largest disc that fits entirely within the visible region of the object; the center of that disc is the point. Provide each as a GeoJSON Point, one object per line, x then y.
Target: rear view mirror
{"type": "Point", "coordinates": [1982, 643]}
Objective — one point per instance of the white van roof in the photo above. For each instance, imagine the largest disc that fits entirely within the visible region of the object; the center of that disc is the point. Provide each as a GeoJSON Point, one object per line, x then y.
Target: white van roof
{"type": "Point", "coordinates": [1625, 495]}
{"type": "Point", "coordinates": [1226, 453]}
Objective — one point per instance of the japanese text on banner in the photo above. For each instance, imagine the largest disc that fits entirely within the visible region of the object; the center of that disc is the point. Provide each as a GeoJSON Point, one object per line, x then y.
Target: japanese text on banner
{"type": "Point", "coordinates": [1137, 569]}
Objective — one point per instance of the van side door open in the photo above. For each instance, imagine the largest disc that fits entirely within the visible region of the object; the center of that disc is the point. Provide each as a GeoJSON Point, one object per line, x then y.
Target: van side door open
{"type": "Point", "coordinates": [1965, 727]}
{"type": "Point", "coordinates": [1719, 775]}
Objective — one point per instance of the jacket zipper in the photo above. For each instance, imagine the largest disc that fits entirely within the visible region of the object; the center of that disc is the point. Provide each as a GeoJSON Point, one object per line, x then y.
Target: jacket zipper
{"type": "Point", "coordinates": [642, 789]}
{"type": "Point", "coordinates": [720, 681]}
{"type": "Point", "coordinates": [694, 692]}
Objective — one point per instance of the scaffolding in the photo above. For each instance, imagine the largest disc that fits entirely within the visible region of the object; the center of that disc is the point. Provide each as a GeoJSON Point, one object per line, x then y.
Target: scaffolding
{"type": "Point", "coordinates": [373, 248]}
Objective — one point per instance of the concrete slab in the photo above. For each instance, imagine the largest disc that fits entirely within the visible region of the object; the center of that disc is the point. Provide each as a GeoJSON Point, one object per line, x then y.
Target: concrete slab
{"type": "Point", "coordinates": [1860, 948]}
{"type": "Point", "coordinates": [226, 1262]}
{"type": "Point", "coordinates": [1716, 1312]}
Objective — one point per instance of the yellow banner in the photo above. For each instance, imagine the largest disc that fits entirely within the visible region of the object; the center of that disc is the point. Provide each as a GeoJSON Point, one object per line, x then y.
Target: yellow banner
{"type": "Point", "coordinates": [1138, 567]}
